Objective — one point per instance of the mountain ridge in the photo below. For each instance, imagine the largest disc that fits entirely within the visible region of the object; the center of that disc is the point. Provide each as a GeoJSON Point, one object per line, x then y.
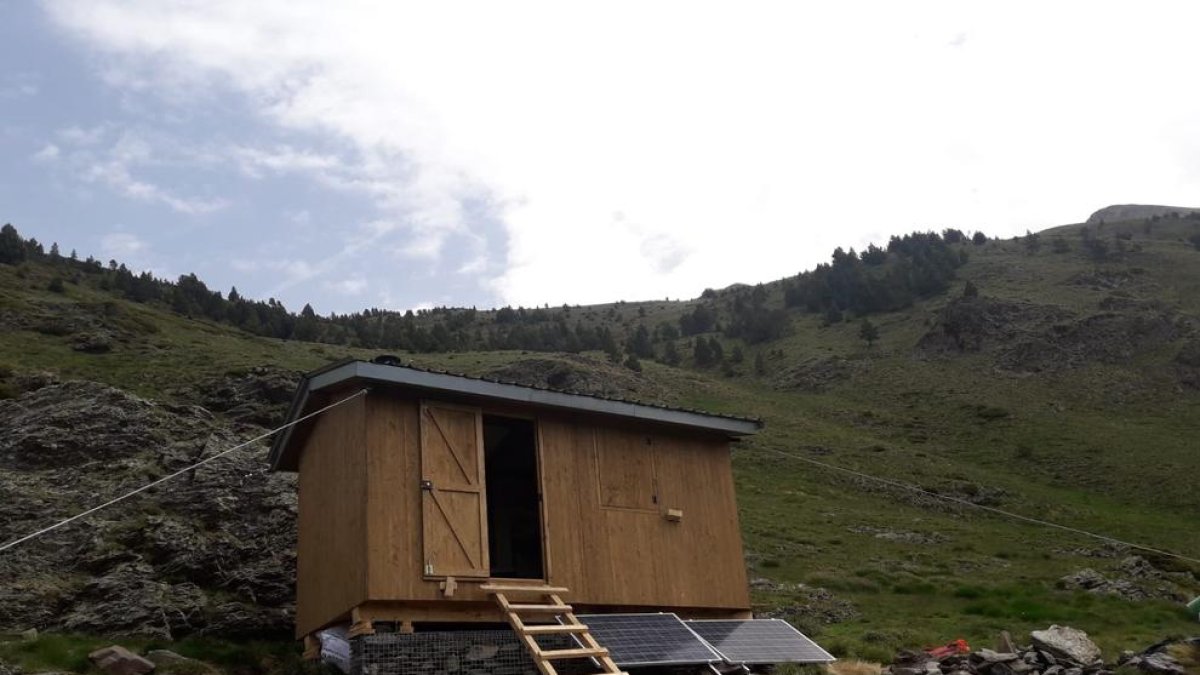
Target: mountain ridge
{"type": "Point", "coordinates": [1056, 375]}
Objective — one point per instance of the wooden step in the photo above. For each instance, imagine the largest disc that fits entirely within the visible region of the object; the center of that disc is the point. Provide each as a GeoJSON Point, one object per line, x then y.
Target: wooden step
{"type": "Point", "coordinates": [540, 609]}
{"type": "Point", "coordinates": [581, 653]}
{"type": "Point", "coordinates": [555, 629]}
{"type": "Point", "coordinates": [522, 588]}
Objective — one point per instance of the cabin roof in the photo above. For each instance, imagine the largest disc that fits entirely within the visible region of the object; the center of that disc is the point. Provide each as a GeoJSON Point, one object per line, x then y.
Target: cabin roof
{"type": "Point", "coordinates": [285, 453]}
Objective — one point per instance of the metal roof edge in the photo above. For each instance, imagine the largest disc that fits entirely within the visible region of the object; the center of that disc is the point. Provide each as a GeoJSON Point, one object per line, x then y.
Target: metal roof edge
{"type": "Point", "coordinates": [517, 393]}
{"type": "Point", "coordinates": [280, 442]}
{"type": "Point", "coordinates": [340, 372]}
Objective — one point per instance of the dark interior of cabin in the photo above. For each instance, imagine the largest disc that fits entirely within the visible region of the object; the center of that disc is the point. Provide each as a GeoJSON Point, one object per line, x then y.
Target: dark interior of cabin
{"type": "Point", "coordinates": [513, 504]}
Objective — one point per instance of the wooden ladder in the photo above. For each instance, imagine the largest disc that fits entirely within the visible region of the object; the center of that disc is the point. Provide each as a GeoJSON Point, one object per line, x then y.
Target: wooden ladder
{"type": "Point", "coordinates": [550, 605]}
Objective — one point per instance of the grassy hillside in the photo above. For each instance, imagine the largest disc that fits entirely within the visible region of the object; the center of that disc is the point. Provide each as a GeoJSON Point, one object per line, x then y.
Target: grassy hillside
{"type": "Point", "coordinates": [1066, 389]}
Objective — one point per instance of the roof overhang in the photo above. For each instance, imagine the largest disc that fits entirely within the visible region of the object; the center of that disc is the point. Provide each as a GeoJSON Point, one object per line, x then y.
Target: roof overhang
{"type": "Point", "coordinates": [284, 457]}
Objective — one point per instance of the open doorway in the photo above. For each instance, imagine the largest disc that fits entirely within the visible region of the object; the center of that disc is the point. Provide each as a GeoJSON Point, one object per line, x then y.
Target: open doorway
{"type": "Point", "coordinates": [513, 498]}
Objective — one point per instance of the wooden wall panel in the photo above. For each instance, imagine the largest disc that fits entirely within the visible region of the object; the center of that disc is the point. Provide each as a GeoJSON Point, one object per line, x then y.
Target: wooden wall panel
{"type": "Point", "coordinates": [696, 477]}
{"type": "Point", "coordinates": [622, 556]}
{"type": "Point", "coordinates": [394, 500]}
{"type": "Point", "coordinates": [606, 556]}
{"type": "Point", "coordinates": [625, 469]}
{"type": "Point", "coordinates": [331, 568]}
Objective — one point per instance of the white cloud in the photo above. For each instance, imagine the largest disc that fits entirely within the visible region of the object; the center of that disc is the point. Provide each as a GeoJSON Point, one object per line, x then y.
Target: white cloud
{"type": "Point", "coordinates": [115, 159]}
{"type": "Point", "coordinates": [115, 173]}
{"type": "Point", "coordinates": [255, 162]}
{"type": "Point", "coordinates": [79, 136]}
{"type": "Point", "coordinates": [351, 286]}
{"type": "Point", "coordinates": [121, 245]}
{"type": "Point", "coordinates": [47, 154]}
{"type": "Point", "coordinates": [301, 217]}
{"type": "Point", "coordinates": [744, 141]}
{"type": "Point", "coordinates": [19, 85]}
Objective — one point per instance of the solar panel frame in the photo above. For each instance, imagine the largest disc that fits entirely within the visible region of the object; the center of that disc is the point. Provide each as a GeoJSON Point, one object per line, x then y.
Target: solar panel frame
{"type": "Point", "coordinates": [733, 650]}
{"type": "Point", "coordinates": [643, 641]}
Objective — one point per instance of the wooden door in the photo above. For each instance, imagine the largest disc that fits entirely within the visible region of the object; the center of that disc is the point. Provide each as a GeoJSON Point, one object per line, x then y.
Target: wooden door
{"type": "Point", "coordinates": [453, 491]}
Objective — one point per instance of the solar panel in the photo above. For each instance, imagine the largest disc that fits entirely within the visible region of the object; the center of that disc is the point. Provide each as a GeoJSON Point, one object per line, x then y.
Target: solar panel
{"type": "Point", "coordinates": [634, 640]}
{"type": "Point", "coordinates": [759, 641]}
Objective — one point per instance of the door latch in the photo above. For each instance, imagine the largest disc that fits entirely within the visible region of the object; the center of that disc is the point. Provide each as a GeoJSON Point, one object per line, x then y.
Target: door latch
{"type": "Point", "coordinates": [427, 485]}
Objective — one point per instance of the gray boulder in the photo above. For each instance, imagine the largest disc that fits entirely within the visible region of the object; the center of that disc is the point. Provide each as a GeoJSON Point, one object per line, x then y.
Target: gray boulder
{"type": "Point", "coordinates": [117, 660]}
{"type": "Point", "coordinates": [1068, 643]}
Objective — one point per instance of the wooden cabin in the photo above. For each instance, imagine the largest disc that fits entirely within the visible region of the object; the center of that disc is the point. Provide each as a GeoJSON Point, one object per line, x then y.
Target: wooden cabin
{"type": "Point", "coordinates": [418, 494]}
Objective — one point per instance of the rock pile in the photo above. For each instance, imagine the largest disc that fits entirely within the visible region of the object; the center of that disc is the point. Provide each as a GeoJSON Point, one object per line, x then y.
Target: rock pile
{"type": "Point", "coordinates": [1058, 650]}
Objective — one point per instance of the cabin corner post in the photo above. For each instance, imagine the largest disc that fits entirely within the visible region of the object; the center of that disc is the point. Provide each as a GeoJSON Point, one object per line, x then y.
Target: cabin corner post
{"type": "Point", "coordinates": [361, 622]}
{"type": "Point", "coordinates": [312, 647]}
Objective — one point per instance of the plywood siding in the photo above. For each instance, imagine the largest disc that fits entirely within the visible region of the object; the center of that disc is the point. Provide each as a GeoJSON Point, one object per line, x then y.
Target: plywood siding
{"type": "Point", "coordinates": [605, 492]}
{"type": "Point", "coordinates": [625, 552]}
{"type": "Point", "coordinates": [331, 570]}
{"type": "Point", "coordinates": [394, 501]}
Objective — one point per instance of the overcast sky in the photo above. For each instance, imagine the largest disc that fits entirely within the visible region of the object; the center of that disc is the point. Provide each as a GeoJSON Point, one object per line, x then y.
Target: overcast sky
{"type": "Point", "coordinates": [355, 154]}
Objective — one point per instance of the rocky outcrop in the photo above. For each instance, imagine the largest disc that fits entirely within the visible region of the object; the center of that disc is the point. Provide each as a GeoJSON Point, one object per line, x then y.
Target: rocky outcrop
{"type": "Point", "coordinates": [1121, 212]}
{"type": "Point", "coordinates": [1134, 578]}
{"type": "Point", "coordinates": [971, 324]}
{"type": "Point", "coordinates": [259, 395]}
{"type": "Point", "coordinates": [1029, 338]}
{"type": "Point", "coordinates": [211, 553]}
{"type": "Point", "coordinates": [582, 375]}
{"type": "Point", "coordinates": [820, 373]}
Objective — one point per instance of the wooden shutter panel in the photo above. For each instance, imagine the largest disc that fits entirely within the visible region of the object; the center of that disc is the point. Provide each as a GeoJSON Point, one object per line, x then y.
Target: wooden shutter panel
{"type": "Point", "coordinates": [453, 491]}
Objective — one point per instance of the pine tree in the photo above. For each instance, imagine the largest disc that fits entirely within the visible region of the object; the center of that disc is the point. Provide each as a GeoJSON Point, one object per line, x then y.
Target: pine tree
{"type": "Point", "coordinates": [867, 331]}
{"type": "Point", "coordinates": [718, 352]}
{"type": "Point", "coordinates": [306, 327]}
{"type": "Point", "coordinates": [702, 353]}
{"type": "Point", "coordinates": [833, 315]}
{"type": "Point", "coordinates": [639, 343]}
{"type": "Point", "coordinates": [12, 248]}
{"type": "Point", "coordinates": [671, 355]}
{"type": "Point", "coordinates": [760, 365]}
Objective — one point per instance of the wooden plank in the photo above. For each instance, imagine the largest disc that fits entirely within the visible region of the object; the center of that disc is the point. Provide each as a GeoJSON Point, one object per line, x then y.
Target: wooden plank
{"type": "Point", "coordinates": [580, 653]}
{"type": "Point", "coordinates": [394, 551]}
{"type": "Point", "coordinates": [555, 629]}
{"type": "Point", "coordinates": [539, 609]}
{"type": "Point", "coordinates": [331, 569]}
{"type": "Point", "coordinates": [518, 588]}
